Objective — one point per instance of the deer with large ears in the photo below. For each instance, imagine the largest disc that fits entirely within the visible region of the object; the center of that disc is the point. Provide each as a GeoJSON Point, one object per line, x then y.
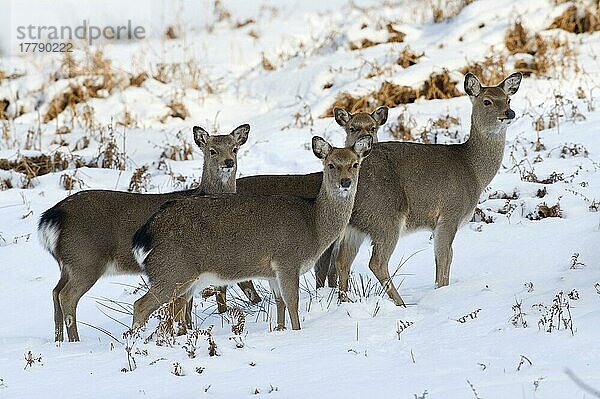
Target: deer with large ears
{"type": "Point", "coordinates": [360, 123]}
{"type": "Point", "coordinates": [411, 186]}
{"type": "Point", "coordinates": [192, 243]}
{"type": "Point", "coordinates": [422, 186]}
{"type": "Point", "coordinates": [89, 233]}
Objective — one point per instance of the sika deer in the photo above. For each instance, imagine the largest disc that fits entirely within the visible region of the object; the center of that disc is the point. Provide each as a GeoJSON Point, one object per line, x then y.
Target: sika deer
{"type": "Point", "coordinates": [355, 125]}
{"type": "Point", "coordinates": [195, 242]}
{"type": "Point", "coordinates": [410, 186]}
{"type": "Point", "coordinates": [421, 186]}
{"type": "Point", "coordinates": [361, 123]}
{"type": "Point", "coordinates": [89, 233]}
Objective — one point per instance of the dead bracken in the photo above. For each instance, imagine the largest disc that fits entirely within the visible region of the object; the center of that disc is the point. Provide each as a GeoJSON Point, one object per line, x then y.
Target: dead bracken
{"type": "Point", "coordinates": [437, 86]}
{"type": "Point", "coordinates": [544, 211]}
{"type": "Point", "coordinates": [490, 70]}
{"type": "Point", "coordinates": [577, 19]}
{"type": "Point", "coordinates": [34, 166]}
{"type": "Point", "coordinates": [394, 36]}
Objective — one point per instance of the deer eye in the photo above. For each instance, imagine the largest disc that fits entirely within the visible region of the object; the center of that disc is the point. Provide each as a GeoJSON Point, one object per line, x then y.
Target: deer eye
{"type": "Point", "coordinates": [355, 166]}
{"type": "Point", "coordinates": [235, 150]}
{"type": "Point", "coordinates": [331, 166]}
{"type": "Point", "coordinates": [213, 152]}
{"type": "Point", "coordinates": [487, 102]}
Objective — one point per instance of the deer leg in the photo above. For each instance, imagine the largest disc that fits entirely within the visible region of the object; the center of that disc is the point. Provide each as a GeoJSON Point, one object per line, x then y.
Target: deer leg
{"type": "Point", "coordinates": [442, 242]}
{"type": "Point", "coordinates": [332, 276]}
{"type": "Point", "coordinates": [148, 303]}
{"type": "Point", "coordinates": [221, 295]}
{"type": "Point", "coordinates": [59, 321]}
{"type": "Point", "coordinates": [69, 297]}
{"type": "Point", "coordinates": [289, 284]}
{"type": "Point", "coordinates": [280, 304]}
{"type": "Point", "coordinates": [349, 246]}
{"type": "Point", "coordinates": [179, 309]}
{"type": "Point", "coordinates": [250, 292]}
{"type": "Point", "coordinates": [188, 313]}
{"type": "Point", "coordinates": [322, 268]}
{"type": "Point", "coordinates": [382, 251]}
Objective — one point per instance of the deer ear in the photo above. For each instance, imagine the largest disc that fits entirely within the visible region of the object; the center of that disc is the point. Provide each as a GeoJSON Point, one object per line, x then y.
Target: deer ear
{"type": "Point", "coordinates": [341, 116]}
{"type": "Point", "coordinates": [380, 115]}
{"type": "Point", "coordinates": [240, 133]}
{"type": "Point", "coordinates": [200, 136]}
{"type": "Point", "coordinates": [472, 85]}
{"type": "Point", "coordinates": [363, 145]}
{"type": "Point", "coordinates": [510, 85]}
{"type": "Point", "coordinates": [320, 147]}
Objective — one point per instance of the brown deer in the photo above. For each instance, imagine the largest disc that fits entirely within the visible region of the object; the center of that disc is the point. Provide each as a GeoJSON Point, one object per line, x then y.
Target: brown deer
{"type": "Point", "coordinates": [355, 126]}
{"type": "Point", "coordinates": [218, 240]}
{"type": "Point", "coordinates": [89, 233]}
{"type": "Point", "coordinates": [410, 186]}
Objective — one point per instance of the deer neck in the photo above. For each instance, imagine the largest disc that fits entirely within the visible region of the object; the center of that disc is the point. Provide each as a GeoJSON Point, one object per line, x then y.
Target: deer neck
{"type": "Point", "coordinates": [484, 152]}
{"type": "Point", "coordinates": [213, 182]}
{"type": "Point", "coordinates": [332, 214]}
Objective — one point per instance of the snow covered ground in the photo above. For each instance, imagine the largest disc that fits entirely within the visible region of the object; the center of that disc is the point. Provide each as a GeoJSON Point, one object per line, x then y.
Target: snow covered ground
{"type": "Point", "coordinates": [279, 66]}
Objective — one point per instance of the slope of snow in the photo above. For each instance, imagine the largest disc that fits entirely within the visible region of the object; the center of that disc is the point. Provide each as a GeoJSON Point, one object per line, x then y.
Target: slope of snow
{"type": "Point", "coordinates": [455, 337]}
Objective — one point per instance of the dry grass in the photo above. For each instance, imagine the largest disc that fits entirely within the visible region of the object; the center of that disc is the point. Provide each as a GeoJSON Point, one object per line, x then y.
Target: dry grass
{"type": "Point", "coordinates": [182, 151]}
{"type": "Point", "coordinates": [127, 120]}
{"type": "Point", "coordinates": [178, 109]}
{"type": "Point", "coordinates": [140, 180]}
{"type": "Point", "coordinates": [172, 33]}
{"type": "Point", "coordinates": [445, 9]}
{"type": "Point", "coordinates": [70, 181]}
{"type": "Point", "coordinates": [548, 55]}
{"type": "Point", "coordinates": [394, 36]}
{"type": "Point", "coordinates": [137, 80]}
{"type": "Point", "coordinates": [244, 22]}
{"type": "Point", "coordinates": [94, 77]}
{"type": "Point", "coordinates": [408, 58]}
{"type": "Point", "coordinates": [110, 155]}
{"type": "Point", "coordinates": [3, 107]}
{"type": "Point", "coordinates": [73, 95]}
{"type": "Point", "coordinates": [437, 86]}
{"type": "Point", "coordinates": [577, 19]}
{"type": "Point", "coordinates": [544, 211]}
{"type": "Point", "coordinates": [35, 166]}
{"type": "Point", "coordinates": [266, 64]}
{"type": "Point", "coordinates": [517, 39]}
{"type": "Point", "coordinates": [187, 74]}
{"type": "Point", "coordinates": [440, 86]}
{"type": "Point", "coordinates": [491, 70]}
{"type": "Point", "coordinates": [388, 94]}
{"type": "Point", "coordinates": [403, 128]}
{"type": "Point", "coordinates": [363, 43]}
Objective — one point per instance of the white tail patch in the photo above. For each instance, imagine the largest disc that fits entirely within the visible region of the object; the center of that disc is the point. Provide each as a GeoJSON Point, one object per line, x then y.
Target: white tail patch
{"type": "Point", "coordinates": [48, 234]}
{"type": "Point", "coordinates": [140, 254]}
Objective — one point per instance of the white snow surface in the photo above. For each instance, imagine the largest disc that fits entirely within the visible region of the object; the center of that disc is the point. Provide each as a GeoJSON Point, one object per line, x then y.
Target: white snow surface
{"type": "Point", "coordinates": [347, 350]}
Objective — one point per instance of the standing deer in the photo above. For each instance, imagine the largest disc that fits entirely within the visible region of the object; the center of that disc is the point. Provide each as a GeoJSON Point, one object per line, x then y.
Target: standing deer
{"type": "Point", "coordinates": [428, 186]}
{"type": "Point", "coordinates": [355, 126]}
{"type": "Point", "coordinates": [196, 242]}
{"type": "Point", "coordinates": [410, 186]}
{"type": "Point", "coordinates": [360, 123]}
{"type": "Point", "coordinates": [89, 233]}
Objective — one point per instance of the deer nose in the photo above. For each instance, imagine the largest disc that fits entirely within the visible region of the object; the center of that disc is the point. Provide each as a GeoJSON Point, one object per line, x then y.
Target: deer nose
{"type": "Point", "coordinates": [510, 114]}
{"type": "Point", "coordinates": [229, 163]}
{"type": "Point", "coordinates": [345, 183]}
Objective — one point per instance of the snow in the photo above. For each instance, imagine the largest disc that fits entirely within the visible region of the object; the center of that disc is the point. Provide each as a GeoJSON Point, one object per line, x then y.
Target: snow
{"type": "Point", "coordinates": [349, 350]}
